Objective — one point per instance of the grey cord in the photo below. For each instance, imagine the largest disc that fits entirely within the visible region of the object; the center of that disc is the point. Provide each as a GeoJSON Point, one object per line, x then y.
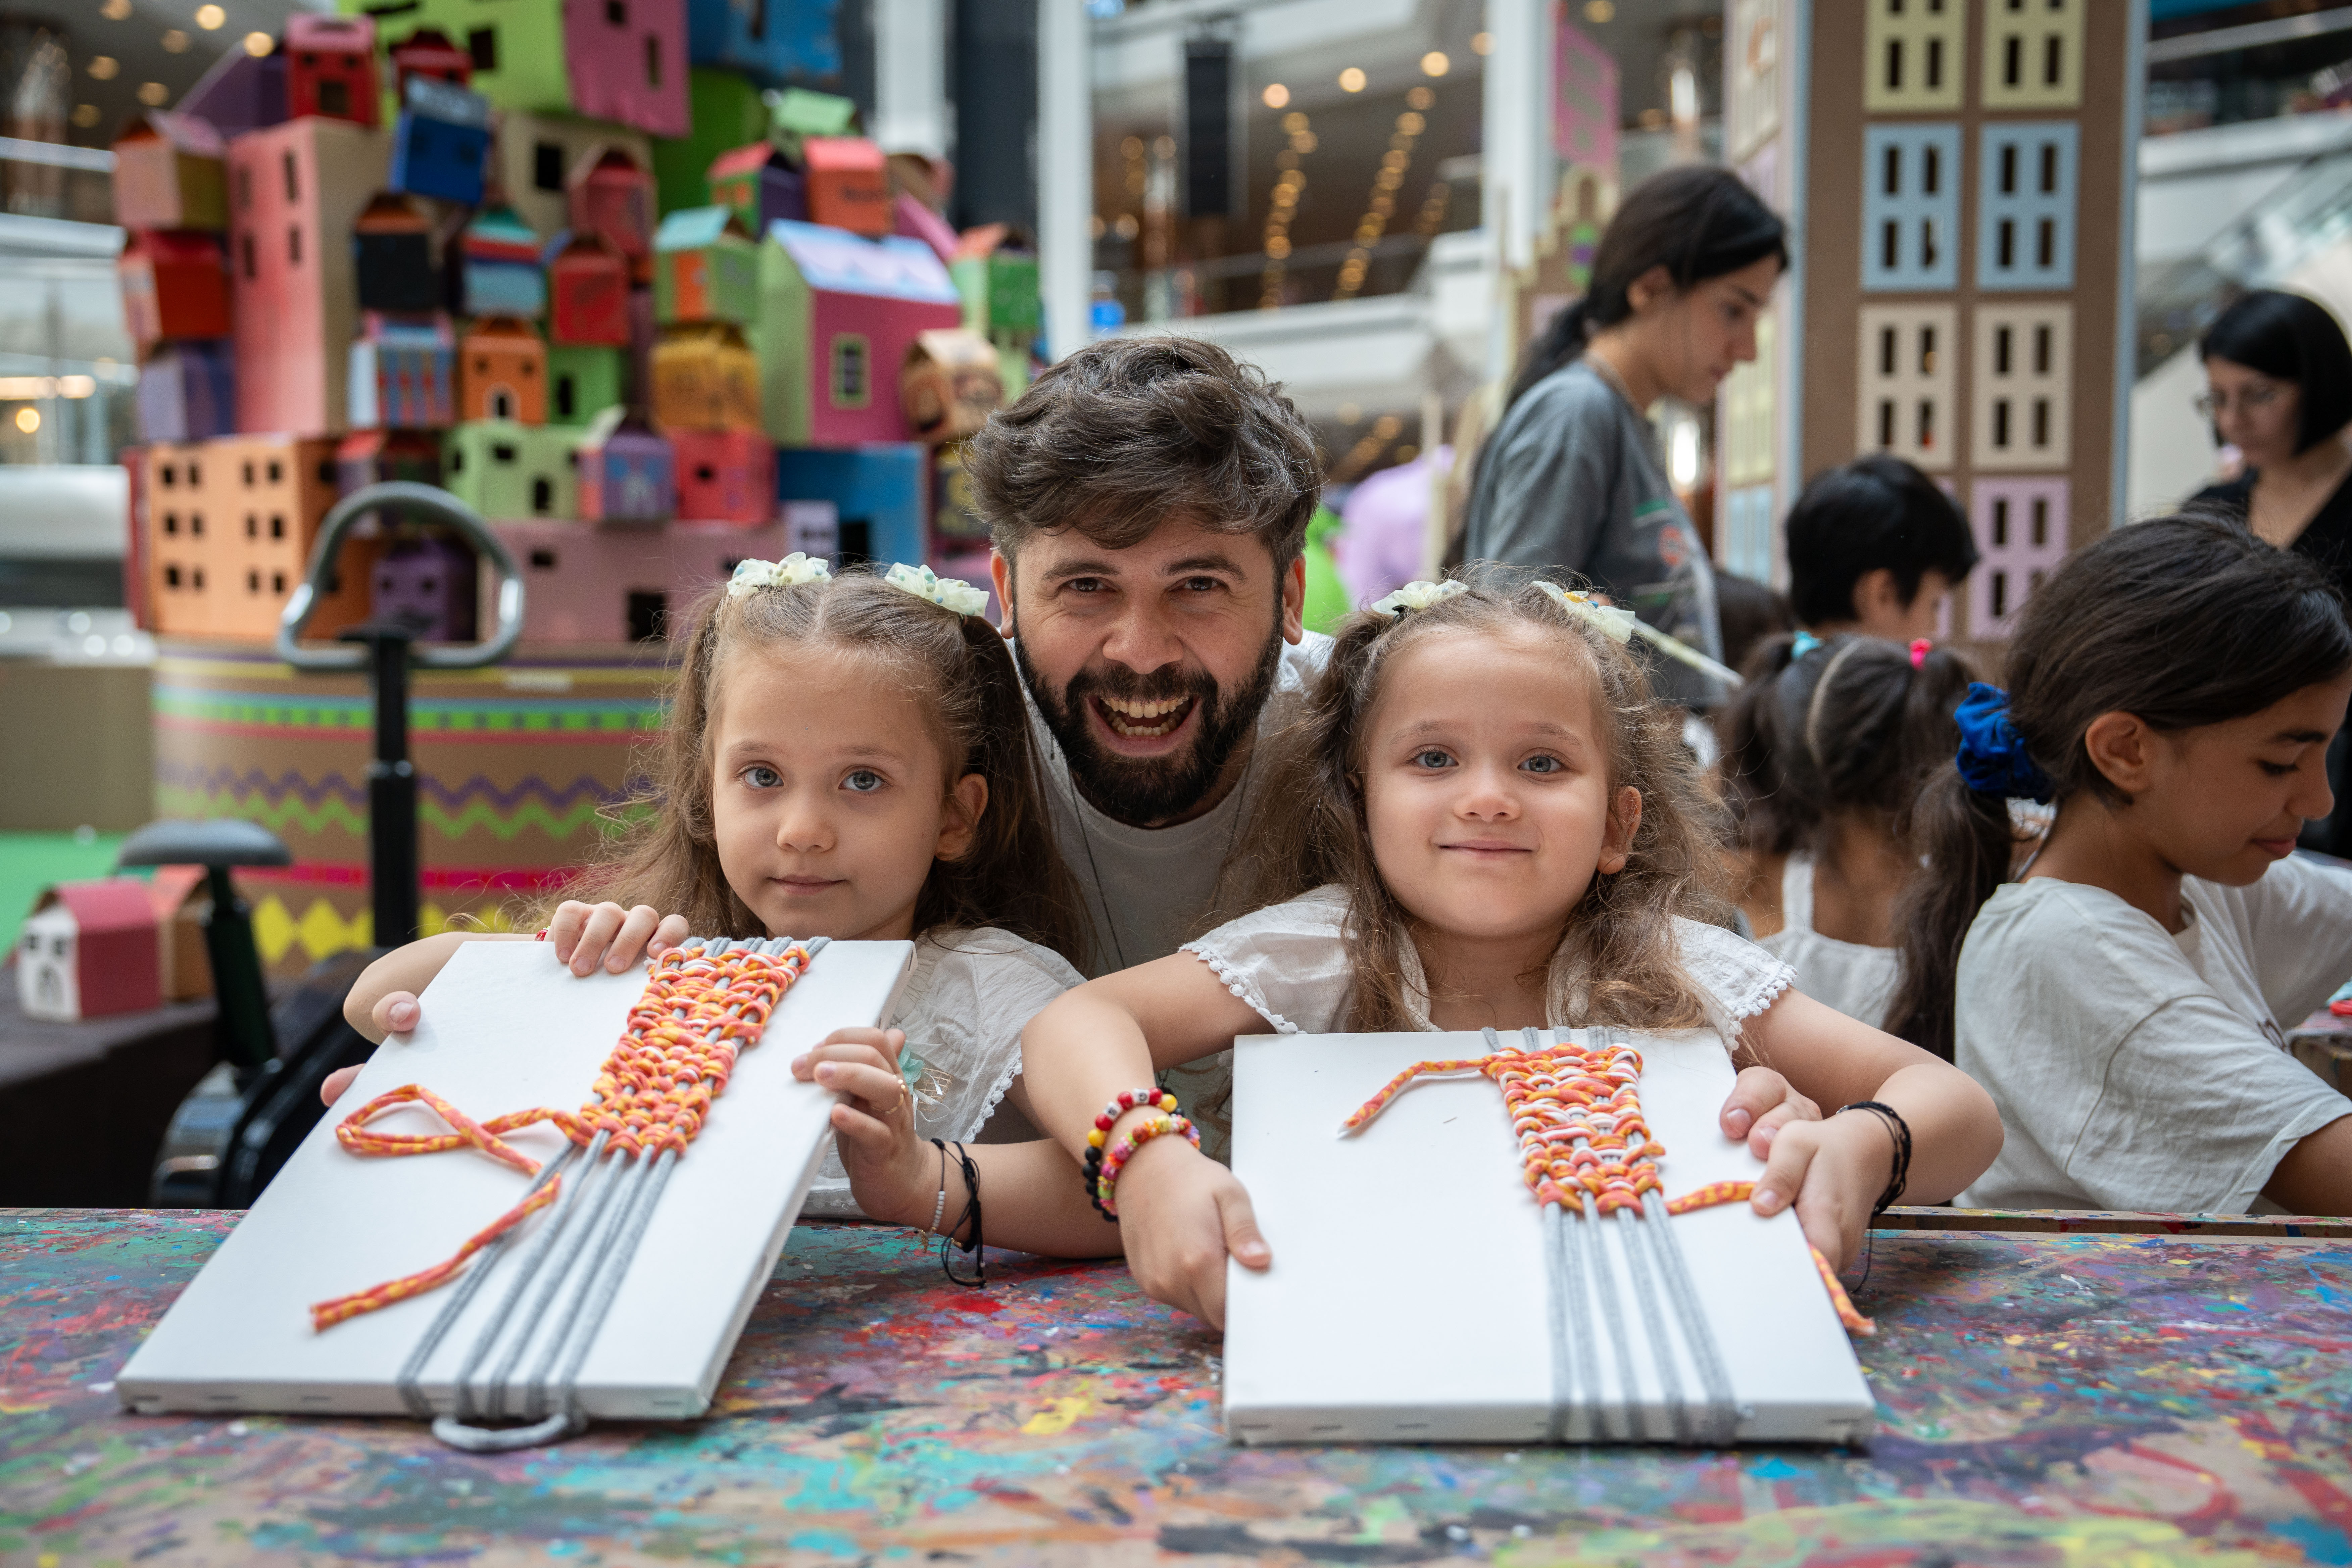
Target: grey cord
{"type": "Point", "coordinates": [542, 1243]}
{"type": "Point", "coordinates": [1722, 1423]}
{"type": "Point", "coordinates": [1632, 1233]}
{"type": "Point", "coordinates": [1636, 1428]}
{"type": "Point", "coordinates": [606, 1178]}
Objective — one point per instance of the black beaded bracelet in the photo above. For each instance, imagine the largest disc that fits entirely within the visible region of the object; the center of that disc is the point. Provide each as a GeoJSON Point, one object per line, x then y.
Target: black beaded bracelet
{"type": "Point", "coordinates": [947, 1242]}
{"type": "Point", "coordinates": [1900, 1131]}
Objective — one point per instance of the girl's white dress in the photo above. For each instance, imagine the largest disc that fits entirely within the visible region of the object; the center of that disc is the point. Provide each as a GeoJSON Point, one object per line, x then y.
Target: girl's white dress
{"type": "Point", "coordinates": [1857, 981]}
{"type": "Point", "coordinates": [973, 991]}
{"type": "Point", "coordinates": [1289, 963]}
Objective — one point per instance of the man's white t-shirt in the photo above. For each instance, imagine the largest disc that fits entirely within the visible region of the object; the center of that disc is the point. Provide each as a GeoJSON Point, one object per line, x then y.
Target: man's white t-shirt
{"type": "Point", "coordinates": [2137, 1069]}
{"type": "Point", "coordinates": [1147, 889]}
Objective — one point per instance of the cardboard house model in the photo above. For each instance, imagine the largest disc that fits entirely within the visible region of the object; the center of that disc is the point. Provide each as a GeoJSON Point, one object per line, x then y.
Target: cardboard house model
{"type": "Point", "coordinates": [837, 314]}
{"type": "Point", "coordinates": [533, 155]}
{"type": "Point", "coordinates": [391, 255]}
{"type": "Point", "coordinates": [441, 140]}
{"type": "Point", "coordinates": [181, 897]}
{"type": "Point", "coordinates": [228, 532]}
{"type": "Point", "coordinates": [878, 493]}
{"type": "Point", "coordinates": [174, 286]}
{"type": "Point", "coordinates": [848, 184]}
{"type": "Point", "coordinates": [626, 585]}
{"type": "Point", "coordinates": [330, 68]}
{"type": "Point", "coordinates": [367, 457]}
{"type": "Point", "coordinates": [427, 582]}
{"type": "Point", "coordinates": [502, 371]}
{"type": "Point", "coordinates": [296, 191]}
{"type": "Point", "coordinates": [611, 194]}
{"type": "Point", "coordinates": [769, 41]}
{"type": "Point", "coordinates": [588, 292]}
{"type": "Point", "coordinates": [427, 52]}
{"type": "Point", "coordinates": [705, 378]}
{"type": "Point", "coordinates": [404, 372]}
{"type": "Point", "coordinates": [86, 950]}
{"type": "Point", "coordinates": [169, 174]}
{"type": "Point", "coordinates": [187, 392]}
{"type": "Point", "coordinates": [501, 468]}
{"type": "Point", "coordinates": [761, 183]}
{"type": "Point", "coordinates": [498, 271]}
{"type": "Point", "coordinates": [583, 380]}
{"type": "Point", "coordinates": [995, 271]}
{"type": "Point", "coordinates": [621, 60]}
{"type": "Point", "coordinates": [625, 471]}
{"type": "Point", "coordinates": [949, 384]}
{"type": "Point", "coordinates": [705, 268]}
{"type": "Point", "coordinates": [724, 476]}
{"type": "Point", "coordinates": [241, 92]}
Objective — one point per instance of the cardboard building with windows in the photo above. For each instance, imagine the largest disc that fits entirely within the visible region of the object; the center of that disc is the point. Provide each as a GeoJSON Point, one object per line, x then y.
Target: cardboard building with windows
{"type": "Point", "coordinates": [1964, 173]}
{"type": "Point", "coordinates": [330, 68]}
{"type": "Point", "coordinates": [837, 314]}
{"type": "Point", "coordinates": [501, 468]}
{"type": "Point", "coordinates": [169, 173]}
{"type": "Point", "coordinates": [502, 371]}
{"type": "Point", "coordinates": [534, 153]}
{"type": "Point", "coordinates": [228, 530]}
{"type": "Point", "coordinates": [769, 41]}
{"type": "Point", "coordinates": [622, 60]}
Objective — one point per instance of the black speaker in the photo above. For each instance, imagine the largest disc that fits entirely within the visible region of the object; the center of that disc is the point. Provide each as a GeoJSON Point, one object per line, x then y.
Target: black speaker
{"type": "Point", "coordinates": [1208, 127]}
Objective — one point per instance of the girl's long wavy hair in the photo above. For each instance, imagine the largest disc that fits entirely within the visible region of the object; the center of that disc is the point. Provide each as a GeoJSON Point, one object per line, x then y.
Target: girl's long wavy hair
{"type": "Point", "coordinates": [663, 851]}
{"type": "Point", "coordinates": [1617, 961]}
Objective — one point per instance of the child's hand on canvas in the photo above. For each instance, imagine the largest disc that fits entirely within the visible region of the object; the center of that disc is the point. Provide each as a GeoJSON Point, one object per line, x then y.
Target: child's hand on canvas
{"type": "Point", "coordinates": [587, 935]}
{"type": "Point", "coordinates": [1759, 1104]}
{"type": "Point", "coordinates": [1180, 1215]}
{"type": "Point", "coordinates": [1834, 1171]}
{"type": "Point", "coordinates": [891, 1171]}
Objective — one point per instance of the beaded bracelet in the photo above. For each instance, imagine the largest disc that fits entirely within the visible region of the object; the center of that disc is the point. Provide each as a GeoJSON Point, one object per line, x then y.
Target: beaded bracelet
{"type": "Point", "coordinates": [1900, 1132]}
{"type": "Point", "coordinates": [1115, 1159]}
{"type": "Point", "coordinates": [1126, 1100]}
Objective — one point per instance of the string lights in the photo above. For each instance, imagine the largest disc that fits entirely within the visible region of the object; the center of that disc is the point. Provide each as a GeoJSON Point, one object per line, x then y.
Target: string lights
{"type": "Point", "coordinates": [1382, 206]}
{"type": "Point", "coordinates": [1281, 206]}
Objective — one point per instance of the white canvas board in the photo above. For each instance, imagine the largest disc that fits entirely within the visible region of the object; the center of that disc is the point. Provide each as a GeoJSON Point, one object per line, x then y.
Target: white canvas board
{"type": "Point", "coordinates": [1408, 1297]}
{"type": "Point", "coordinates": [507, 1027]}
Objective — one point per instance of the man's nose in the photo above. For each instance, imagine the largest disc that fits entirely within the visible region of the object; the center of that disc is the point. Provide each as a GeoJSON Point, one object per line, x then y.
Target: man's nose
{"type": "Point", "coordinates": [1142, 640]}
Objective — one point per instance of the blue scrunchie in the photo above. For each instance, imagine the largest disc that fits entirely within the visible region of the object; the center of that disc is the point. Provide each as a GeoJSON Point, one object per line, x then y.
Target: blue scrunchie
{"type": "Point", "coordinates": [1992, 757]}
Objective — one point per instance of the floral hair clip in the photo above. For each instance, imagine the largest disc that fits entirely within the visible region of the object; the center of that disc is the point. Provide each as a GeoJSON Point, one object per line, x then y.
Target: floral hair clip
{"type": "Point", "coordinates": [1418, 597]}
{"type": "Point", "coordinates": [1920, 648]}
{"type": "Point", "coordinates": [949, 593]}
{"type": "Point", "coordinates": [1611, 620]}
{"type": "Point", "coordinates": [793, 570]}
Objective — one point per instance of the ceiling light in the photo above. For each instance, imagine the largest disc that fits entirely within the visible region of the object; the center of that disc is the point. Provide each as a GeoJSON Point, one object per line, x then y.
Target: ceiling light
{"type": "Point", "coordinates": [85, 115]}
{"type": "Point", "coordinates": [1482, 43]}
{"type": "Point", "coordinates": [1276, 95]}
{"type": "Point", "coordinates": [1421, 98]}
{"type": "Point", "coordinates": [102, 68]}
{"type": "Point", "coordinates": [259, 44]}
{"type": "Point", "coordinates": [176, 42]}
{"type": "Point", "coordinates": [210, 18]}
{"type": "Point", "coordinates": [1599, 13]}
{"type": "Point", "coordinates": [1435, 63]}
{"type": "Point", "coordinates": [154, 94]}
{"type": "Point", "coordinates": [116, 10]}
{"type": "Point", "coordinates": [1351, 80]}
{"type": "Point", "coordinates": [28, 420]}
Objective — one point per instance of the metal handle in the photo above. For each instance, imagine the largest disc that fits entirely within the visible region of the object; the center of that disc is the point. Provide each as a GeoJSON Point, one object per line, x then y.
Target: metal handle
{"type": "Point", "coordinates": [431, 504]}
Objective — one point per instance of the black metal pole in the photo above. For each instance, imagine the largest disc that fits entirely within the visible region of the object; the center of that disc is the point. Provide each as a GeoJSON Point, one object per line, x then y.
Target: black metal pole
{"type": "Point", "coordinates": [241, 1016]}
{"type": "Point", "coordinates": [392, 791]}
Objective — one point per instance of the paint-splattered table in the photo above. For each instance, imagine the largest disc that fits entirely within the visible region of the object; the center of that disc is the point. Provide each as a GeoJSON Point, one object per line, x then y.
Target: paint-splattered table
{"type": "Point", "coordinates": [2077, 1399]}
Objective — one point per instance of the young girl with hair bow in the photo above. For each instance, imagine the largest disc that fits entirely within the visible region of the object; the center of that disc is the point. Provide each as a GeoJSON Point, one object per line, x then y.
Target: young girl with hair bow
{"type": "Point", "coordinates": [850, 758]}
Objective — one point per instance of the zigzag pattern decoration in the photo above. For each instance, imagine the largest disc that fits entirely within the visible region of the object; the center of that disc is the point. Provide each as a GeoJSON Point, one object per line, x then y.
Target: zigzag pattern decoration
{"type": "Point", "coordinates": [321, 931]}
{"type": "Point", "coordinates": [335, 802]}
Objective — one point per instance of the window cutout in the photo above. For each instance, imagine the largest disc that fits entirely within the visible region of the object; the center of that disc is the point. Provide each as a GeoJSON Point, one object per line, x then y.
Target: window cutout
{"type": "Point", "coordinates": [850, 382]}
{"type": "Point", "coordinates": [294, 246]}
{"type": "Point", "coordinates": [293, 185]}
{"type": "Point", "coordinates": [653, 60]}
{"type": "Point", "coordinates": [547, 166]}
{"type": "Point", "coordinates": [542, 496]}
{"type": "Point", "coordinates": [482, 44]}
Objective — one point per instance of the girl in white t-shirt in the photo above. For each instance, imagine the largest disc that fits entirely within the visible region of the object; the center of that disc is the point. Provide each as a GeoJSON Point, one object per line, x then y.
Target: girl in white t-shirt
{"type": "Point", "coordinates": [1494, 826]}
{"type": "Point", "coordinates": [1825, 749]}
{"type": "Point", "coordinates": [850, 758]}
{"type": "Point", "coordinates": [2173, 690]}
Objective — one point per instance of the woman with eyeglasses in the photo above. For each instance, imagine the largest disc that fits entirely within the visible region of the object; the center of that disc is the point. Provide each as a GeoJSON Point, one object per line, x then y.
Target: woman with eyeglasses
{"type": "Point", "coordinates": [2278, 386]}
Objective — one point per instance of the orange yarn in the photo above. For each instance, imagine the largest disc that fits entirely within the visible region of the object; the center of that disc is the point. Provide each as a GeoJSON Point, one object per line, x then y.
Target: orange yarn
{"type": "Point", "coordinates": [699, 1011]}
{"type": "Point", "coordinates": [1565, 1096]}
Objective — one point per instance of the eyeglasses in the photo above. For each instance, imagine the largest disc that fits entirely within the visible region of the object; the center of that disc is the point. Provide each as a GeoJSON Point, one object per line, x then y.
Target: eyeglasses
{"type": "Point", "coordinates": [2261, 394]}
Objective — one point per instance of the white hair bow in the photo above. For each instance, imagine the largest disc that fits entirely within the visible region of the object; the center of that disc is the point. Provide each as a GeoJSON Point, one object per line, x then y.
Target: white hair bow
{"type": "Point", "coordinates": [793, 570]}
{"type": "Point", "coordinates": [949, 593]}
{"type": "Point", "coordinates": [1613, 621]}
{"type": "Point", "coordinates": [1418, 597]}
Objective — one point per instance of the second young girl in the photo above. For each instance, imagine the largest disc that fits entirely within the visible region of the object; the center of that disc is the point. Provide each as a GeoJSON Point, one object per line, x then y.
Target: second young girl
{"type": "Point", "coordinates": [1496, 827]}
{"type": "Point", "coordinates": [850, 758]}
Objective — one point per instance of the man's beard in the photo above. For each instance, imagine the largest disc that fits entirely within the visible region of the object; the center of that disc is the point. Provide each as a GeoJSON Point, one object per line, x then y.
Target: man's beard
{"type": "Point", "coordinates": [1144, 791]}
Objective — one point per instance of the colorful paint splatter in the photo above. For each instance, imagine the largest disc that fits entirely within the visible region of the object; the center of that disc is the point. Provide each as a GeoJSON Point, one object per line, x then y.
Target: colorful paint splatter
{"type": "Point", "coordinates": [2045, 1400]}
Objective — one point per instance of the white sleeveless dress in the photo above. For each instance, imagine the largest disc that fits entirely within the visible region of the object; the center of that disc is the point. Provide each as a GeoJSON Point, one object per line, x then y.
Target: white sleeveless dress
{"type": "Point", "coordinates": [1857, 981]}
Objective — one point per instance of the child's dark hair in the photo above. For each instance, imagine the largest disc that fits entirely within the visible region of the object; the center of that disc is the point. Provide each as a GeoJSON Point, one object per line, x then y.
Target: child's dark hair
{"type": "Point", "coordinates": [1876, 511]}
{"type": "Point", "coordinates": [1751, 616]}
{"type": "Point", "coordinates": [1010, 876]}
{"type": "Point", "coordinates": [1851, 727]}
{"type": "Point", "coordinates": [2182, 621]}
{"type": "Point", "coordinates": [2289, 338]}
{"type": "Point", "coordinates": [1618, 960]}
{"type": "Point", "coordinates": [1698, 222]}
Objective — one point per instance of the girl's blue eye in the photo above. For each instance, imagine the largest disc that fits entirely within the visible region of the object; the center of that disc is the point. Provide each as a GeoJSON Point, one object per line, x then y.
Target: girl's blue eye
{"type": "Point", "coordinates": [1542, 765]}
{"type": "Point", "coordinates": [761, 777]}
{"type": "Point", "coordinates": [863, 781]}
{"type": "Point", "coordinates": [1432, 758]}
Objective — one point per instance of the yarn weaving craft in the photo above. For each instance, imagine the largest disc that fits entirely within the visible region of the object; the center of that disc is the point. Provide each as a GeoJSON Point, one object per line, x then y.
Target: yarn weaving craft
{"type": "Point", "coordinates": [1585, 1150]}
{"type": "Point", "coordinates": [702, 1006]}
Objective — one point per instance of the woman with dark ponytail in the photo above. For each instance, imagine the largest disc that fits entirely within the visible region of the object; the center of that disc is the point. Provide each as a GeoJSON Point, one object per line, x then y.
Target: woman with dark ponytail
{"type": "Point", "coordinates": [2172, 692]}
{"type": "Point", "coordinates": [1571, 483]}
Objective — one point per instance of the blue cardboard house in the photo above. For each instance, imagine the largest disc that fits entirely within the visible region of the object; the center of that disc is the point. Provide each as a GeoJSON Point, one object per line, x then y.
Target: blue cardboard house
{"type": "Point", "coordinates": [441, 142]}
{"type": "Point", "coordinates": [187, 392]}
{"type": "Point", "coordinates": [771, 41]}
{"type": "Point", "coordinates": [498, 270]}
{"type": "Point", "coordinates": [878, 493]}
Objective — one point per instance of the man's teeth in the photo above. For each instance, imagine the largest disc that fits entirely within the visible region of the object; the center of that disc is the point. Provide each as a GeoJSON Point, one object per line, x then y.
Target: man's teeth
{"type": "Point", "coordinates": [1144, 720]}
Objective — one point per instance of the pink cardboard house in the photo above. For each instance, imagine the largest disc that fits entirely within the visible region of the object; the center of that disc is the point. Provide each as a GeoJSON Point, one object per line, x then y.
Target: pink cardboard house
{"type": "Point", "coordinates": [586, 584]}
{"type": "Point", "coordinates": [627, 62]}
{"type": "Point", "coordinates": [295, 192]}
{"type": "Point", "coordinates": [837, 314]}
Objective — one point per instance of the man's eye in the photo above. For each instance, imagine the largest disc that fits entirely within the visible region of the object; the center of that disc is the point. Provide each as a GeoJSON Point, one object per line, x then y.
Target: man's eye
{"type": "Point", "coordinates": [1085, 585]}
{"type": "Point", "coordinates": [863, 781]}
{"type": "Point", "coordinates": [1432, 758]}
{"type": "Point", "coordinates": [761, 776]}
{"type": "Point", "coordinates": [1202, 584]}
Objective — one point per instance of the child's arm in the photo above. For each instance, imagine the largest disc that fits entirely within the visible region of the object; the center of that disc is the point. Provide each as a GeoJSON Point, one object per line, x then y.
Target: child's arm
{"type": "Point", "coordinates": [1032, 1199]}
{"type": "Point", "coordinates": [1833, 1170]}
{"type": "Point", "coordinates": [1181, 1212]}
{"type": "Point", "coordinates": [2315, 1175]}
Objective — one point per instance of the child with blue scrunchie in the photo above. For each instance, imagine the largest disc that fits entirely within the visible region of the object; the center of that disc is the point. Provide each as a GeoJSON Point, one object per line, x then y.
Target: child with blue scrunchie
{"type": "Point", "coordinates": [2172, 692]}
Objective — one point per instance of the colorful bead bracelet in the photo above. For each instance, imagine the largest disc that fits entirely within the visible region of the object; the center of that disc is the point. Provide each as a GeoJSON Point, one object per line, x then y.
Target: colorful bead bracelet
{"type": "Point", "coordinates": [1126, 1100]}
{"type": "Point", "coordinates": [1104, 1176]}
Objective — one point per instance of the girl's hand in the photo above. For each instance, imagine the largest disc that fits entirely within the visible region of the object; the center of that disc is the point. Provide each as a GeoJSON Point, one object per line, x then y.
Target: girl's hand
{"type": "Point", "coordinates": [1835, 1170]}
{"type": "Point", "coordinates": [892, 1173]}
{"type": "Point", "coordinates": [1180, 1215]}
{"type": "Point", "coordinates": [395, 1013]}
{"type": "Point", "coordinates": [1760, 1103]}
{"type": "Point", "coordinates": [585, 935]}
